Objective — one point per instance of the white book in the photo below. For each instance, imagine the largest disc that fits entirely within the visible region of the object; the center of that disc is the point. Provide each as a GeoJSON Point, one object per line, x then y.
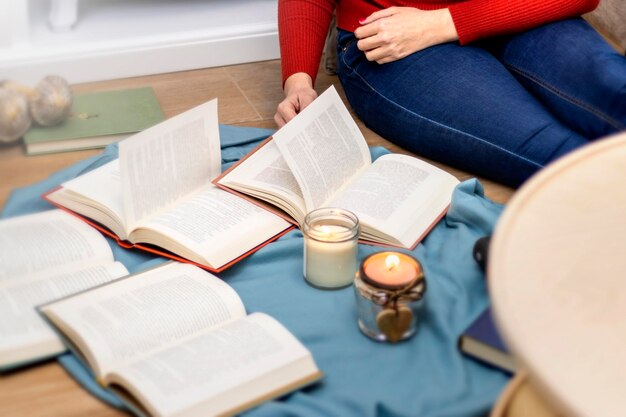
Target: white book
{"type": "Point", "coordinates": [158, 196]}
{"type": "Point", "coordinates": [176, 341]}
{"type": "Point", "coordinates": [43, 257]}
{"type": "Point", "coordinates": [320, 159]}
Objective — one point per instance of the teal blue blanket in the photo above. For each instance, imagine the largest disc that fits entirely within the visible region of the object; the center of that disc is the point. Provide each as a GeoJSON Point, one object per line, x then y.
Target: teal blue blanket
{"type": "Point", "coordinates": [425, 376]}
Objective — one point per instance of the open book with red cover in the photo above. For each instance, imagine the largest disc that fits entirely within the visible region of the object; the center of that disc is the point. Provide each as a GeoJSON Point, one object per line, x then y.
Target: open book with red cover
{"type": "Point", "coordinates": [321, 159]}
{"type": "Point", "coordinates": [158, 196]}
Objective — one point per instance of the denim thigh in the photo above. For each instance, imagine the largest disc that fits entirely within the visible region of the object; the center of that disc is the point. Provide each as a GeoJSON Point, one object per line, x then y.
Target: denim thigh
{"type": "Point", "coordinates": [458, 105]}
{"type": "Point", "coordinates": [573, 71]}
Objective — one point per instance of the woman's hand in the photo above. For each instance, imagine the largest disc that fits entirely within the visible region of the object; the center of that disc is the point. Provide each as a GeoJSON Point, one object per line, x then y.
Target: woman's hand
{"type": "Point", "coordinates": [391, 34]}
{"type": "Point", "coordinates": [299, 93]}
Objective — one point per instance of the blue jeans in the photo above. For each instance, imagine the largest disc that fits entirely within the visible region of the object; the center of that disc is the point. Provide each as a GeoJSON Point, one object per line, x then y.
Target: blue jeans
{"type": "Point", "coordinates": [501, 108]}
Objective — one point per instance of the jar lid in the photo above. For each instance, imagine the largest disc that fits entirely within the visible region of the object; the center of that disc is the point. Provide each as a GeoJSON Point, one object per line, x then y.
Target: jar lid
{"type": "Point", "coordinates": [391, 270]}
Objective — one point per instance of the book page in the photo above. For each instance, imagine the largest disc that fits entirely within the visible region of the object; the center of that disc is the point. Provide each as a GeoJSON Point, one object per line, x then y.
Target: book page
{"type": "Point", "coordinates": [118, 322]}
{"type": "Point", "coordinates": [162, 164]}
{"type": "Point", "coordinates": [399, 196]}
{"type": "Point", "coordinates": [97, 195]}
{"type": "Point", "coordinates": [324, 149]}
{"type": "Point", "coordinates": [217, 370]}
{"type": "Point", "coordinates": [23, 333]}
{"type": "Point", "coordinates": [265, 174]}
{"type": "Point", "coordinates": [48, 240]}
{"type": "Point", "coordinates": [214, 224]}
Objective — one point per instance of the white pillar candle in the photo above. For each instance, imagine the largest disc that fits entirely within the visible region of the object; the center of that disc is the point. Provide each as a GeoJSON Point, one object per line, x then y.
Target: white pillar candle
{"type": "Point", "coordinates": [329, 263]}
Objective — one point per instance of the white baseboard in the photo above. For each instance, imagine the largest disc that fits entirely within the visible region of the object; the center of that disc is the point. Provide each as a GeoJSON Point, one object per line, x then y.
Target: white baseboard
{"type": "Point", "coordinates": [125, 38]}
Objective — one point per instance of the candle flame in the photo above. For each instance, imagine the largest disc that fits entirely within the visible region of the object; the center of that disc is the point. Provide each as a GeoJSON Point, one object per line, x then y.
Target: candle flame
{"type": "Point", "coordinates": [324, 229]}
{"type": "Point", "coordinates": [326, 232]}
{"type": "Point", "coordinates": [392, 261]}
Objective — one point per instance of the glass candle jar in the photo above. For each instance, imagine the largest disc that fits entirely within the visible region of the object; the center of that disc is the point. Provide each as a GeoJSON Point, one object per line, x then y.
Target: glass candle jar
{"type": "Point", "coordinates": [330, 247]}
{"type": "Point", "coordinates": [389, 288]}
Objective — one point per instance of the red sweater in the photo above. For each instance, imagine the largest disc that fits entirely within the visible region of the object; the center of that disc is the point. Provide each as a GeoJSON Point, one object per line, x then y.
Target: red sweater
{"type": "Point", "coordinates": [303, 24]}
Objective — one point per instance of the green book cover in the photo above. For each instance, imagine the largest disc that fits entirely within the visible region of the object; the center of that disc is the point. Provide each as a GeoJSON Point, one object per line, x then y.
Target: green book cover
{"type": "Point", "coordinates": [97, 119]}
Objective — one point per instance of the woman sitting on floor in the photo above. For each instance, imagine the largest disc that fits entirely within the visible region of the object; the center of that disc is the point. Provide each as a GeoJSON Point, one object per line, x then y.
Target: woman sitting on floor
{"type": "Point", "coordinates": [496, 87]}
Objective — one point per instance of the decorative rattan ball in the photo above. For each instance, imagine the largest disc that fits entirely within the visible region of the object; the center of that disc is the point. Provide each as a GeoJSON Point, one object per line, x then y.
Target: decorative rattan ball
{"type": "Point", "coordinates": [14, 115]}
{"type": "Point", "coordinates": [51, 101]}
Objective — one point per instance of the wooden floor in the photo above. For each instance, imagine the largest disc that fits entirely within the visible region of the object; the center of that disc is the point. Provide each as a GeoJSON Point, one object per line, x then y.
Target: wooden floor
{"type": "Point", "coordinates": [247, 96]}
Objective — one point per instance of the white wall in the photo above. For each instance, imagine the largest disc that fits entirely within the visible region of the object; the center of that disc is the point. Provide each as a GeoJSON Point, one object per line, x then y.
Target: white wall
{"type": "Point", "coordinates": [122, 38]}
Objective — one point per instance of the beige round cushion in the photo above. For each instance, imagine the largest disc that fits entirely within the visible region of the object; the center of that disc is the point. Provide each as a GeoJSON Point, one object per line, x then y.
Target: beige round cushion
{"type": "Point", "coordinates": [557, 279]}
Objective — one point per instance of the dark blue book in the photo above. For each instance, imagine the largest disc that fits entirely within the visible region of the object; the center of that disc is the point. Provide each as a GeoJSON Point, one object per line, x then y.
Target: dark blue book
{"type": "Point", "coordinates": [482, 341]}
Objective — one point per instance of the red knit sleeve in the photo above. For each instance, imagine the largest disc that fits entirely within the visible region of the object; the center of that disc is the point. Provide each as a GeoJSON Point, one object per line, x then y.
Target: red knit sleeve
{"type": "Point", "coordinates": [302, 29]}
{"type": "Point", "coordinates": [478, 19]}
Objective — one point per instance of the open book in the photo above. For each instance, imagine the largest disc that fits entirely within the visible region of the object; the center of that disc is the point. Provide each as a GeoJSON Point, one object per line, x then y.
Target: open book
{"type": "Point", "coordinates": [45, 256]}
{"type": "Point", "coordinates": [176, 341]}
{"type": "Point", "coordinates": [158, 195]}
{"type": "Point", "coordinates": [321, 159]}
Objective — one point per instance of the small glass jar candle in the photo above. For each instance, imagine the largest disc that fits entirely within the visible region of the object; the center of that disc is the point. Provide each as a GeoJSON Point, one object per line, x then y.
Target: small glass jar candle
{"type": "Point", "coordinates": [330, 247]}
{"type": "Point", "coordinates": [389, 288]}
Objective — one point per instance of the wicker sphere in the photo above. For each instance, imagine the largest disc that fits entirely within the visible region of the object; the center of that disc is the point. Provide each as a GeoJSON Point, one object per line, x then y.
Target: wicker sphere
{"type": "Point", "coordinates": [14, 116]}
{"type": "Point", "coordinates": [51, 101]}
